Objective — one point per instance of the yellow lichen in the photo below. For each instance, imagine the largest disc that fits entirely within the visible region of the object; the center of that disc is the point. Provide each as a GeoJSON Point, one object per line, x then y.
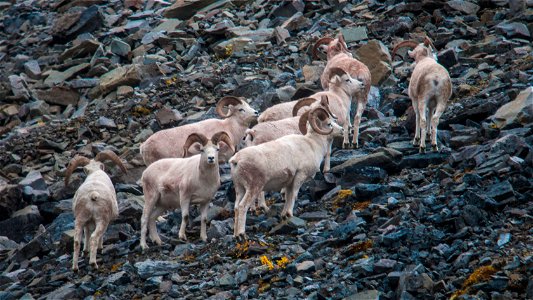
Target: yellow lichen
{"type": "Point", "coordinates": [361, 246]}
{"type": "Point", "coordinates": [266, 262]}
{"type": "Point", "coordinates": [140, 111]}
{"type": "Point", "coordinates": [97, 293]}
{"type": "Point", "coordinates": [116, 267]}
{"type": "Point", "coordinates": [241, 250]}
{"type": "Point", "coordinates": [339, 199]}
{"type": "Point", "coordinates": [283, 262]}
{"type": "Point", "coordinates": [228, 50]}
{"type": "Point", "coordinates": [479, 275]}
{"type": "Point", "coordinates": [188, 258]}
{"type": "Point", "coordinates": [361, 205]}
{"type": "Point", "coordinates": [263, 286]}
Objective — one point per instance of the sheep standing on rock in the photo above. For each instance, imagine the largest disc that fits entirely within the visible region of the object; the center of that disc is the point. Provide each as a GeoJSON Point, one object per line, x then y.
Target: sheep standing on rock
{"type": "Point", "coordinates": [429, 89]}
{"type": "Point", "coordinates": [339, 57]}
{"type": "Point", "coordinates": [285, 163]}
{"type": "Point", "coordinates": [170, 183]}
{"type": "Point", "coordinates": [169, 143]}
{"type": "Point", "coordinates": [94, 204]}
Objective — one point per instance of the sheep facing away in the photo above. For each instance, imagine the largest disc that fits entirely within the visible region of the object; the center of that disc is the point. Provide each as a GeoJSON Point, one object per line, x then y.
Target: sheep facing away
{"type": "Point", "coordinates": [171, 183]}
{"type": "Point", "coordinates": [94, 204]}
{"type": "Point", "coordinates": [285, 163]}
{"type": "Point", "coordinates": [338, 56]}
{"type": "Point", "coordinates": [430, 89]}
{"type": "Point", "coordinates": [169, 143]}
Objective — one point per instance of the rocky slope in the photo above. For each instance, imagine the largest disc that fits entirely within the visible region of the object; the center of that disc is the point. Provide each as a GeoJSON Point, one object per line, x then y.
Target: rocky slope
{"type": "Point", "coordinates": [79, 76]}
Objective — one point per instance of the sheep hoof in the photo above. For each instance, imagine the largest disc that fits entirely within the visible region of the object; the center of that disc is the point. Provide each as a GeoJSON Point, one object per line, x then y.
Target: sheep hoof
{"type": "Point", "coordinates": [242, 237]}
{"type": "Point", "coordinates": [183, 237]}
{"type": "Point", "coordinates": [347, 146]}
{"type": "Point", "coordinates": [416, 142]}
{"type": "Point", "coordinates": [422, 149]}
{"type": "Point", "coordinates": [94, 265]}
{"type": "Point", "coordinates": [355, 145]}
{"type": "Point", "coordinates": [434, 148]}
{"type": "Point", "coordinates": [75, 269]}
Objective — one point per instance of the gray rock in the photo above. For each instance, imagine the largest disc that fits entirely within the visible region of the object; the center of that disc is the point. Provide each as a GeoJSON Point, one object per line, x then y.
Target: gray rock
{"type": "Point", "coordinates": [32, 69]}
{"type": "Point", "coordinates": [22, 224]}
{"type": "Point", "coordinates": [384, 265]}
{"type": "Point", "coordinates": [354, 34]}
{"type": "Point", "coordinates": [7, 244]}
{"type": "Point", "coordinates": [227, 280]}
{"type": "Point", "coordinates": [218, 229]}
{"type": "Point", "coordinates": [422, 160]}
{"type": "Point", "coordinates": [18, 86]}
{"type": "Point", "coordinates": [518, 111]}
{"type": "Point", "coordinates": [166, 116]}
{"type": "Point", "coordinates": [288, 226]}
{"type": "Point", "coordinates": [448, 58]}
{"type": "Point", "coordinates": [463, 6]}
{"type": "Point", "coordinates": [150, 268]}
{"type": "Point", "coordinates": [67, 291]}
{"type": "Point", "coordinates": [119, 278]}
{"type": "Point", "coordinates": [59, 95]}
{"type": "Point", "coordinates": [314, 215]}
{"type": "Point", "coordinates": [10, 195]}
{"type": "Point", "coordinates": [124, 75]}
{"type": "Point", "coordinates": [305, 266]}
{"type": "Point", "coordinates": [106, 123]}
{"type": "Point", "coordinates": [376, 57]}
{"type": "Point", "coordinates": [366, 295]}
{"type": "Point", "coordinates": [120, 47]}
{"type": "Point", "coordinates": [514, 29]}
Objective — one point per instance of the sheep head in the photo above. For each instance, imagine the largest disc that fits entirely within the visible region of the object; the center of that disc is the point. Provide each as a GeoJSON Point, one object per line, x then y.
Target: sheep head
{"type": "Point", "coordinates": [321, 122]}
{"type": "Point", "coordinates": [324, 103]}
{"type": "Point", "coordinates": [333, 46]}
{"type": "Point", "coordinates": [91, 165]}
{"type": "Point", "coordinates": [420, 50]}
{"type": "Point", "coordinates": [341, 79]}
{"type": "Point", "coordinates": [236, 106]}
{"type": "Point", "coordinates": [209, 149]}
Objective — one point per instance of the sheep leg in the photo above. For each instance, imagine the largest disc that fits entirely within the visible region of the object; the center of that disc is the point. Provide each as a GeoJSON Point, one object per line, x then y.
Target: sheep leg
{"type": "Point", "coordinates": [346, 134]}
{"type": "Point", "coordinates": [357, 121]}
{"type": "Point", "coordinates": [292, 193]}
{"type": "Point", "coordinates": [416, 140]}
{"type": "Point", "coordinates": [422, 107]}
{"type": "Point", "coordinates": [239, 194]}
{"type": "Point", "coordinates": [87, 229]}
{"type": "Point", "coordinates": [434, 123]}
{"type": "Point", "coordinates": [152, 226]}
{"type": "Point", "coordinates": [261, 203]}
{"type": "Point", "coordinates": [203, 213]}
{"type": "Point", "coordinates": [184, 205]}
{"type": "Point", "coordinates": [78, 232]}
{"type": "Point", "coordinates": [244, 204]}
{"type": "Point", "coordinates": [327, 159]}
{"type": "Point", "coordinates": [147, 211]}
{"type": "Point", "coordinates": [95, 240]}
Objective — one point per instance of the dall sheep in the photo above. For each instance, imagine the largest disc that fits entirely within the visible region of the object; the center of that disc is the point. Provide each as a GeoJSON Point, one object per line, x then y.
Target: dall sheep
{"type": "Point", "coordinates": [338, 56]}
{"type": "Point", "coordinates": [269, 131]}
{"type": "Point", "coordinates": [342, 87]}
{"type": "Point", "coordinates": [285, 163]}
{"type": "Point", "coordinates": [94, 204]}
{"type": "Point", "coordinates": [171, 183]}
{"type": "Point", "coordinates": [169, 143]}
{"type": "Point", "coordinates": [429, 89]}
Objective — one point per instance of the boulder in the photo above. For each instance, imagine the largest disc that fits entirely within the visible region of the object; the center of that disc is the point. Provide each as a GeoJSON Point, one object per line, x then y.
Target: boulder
{"type": "Point", "coordinates": [376, 57]}
{"type": "Point", "coordinates": [517, 112]}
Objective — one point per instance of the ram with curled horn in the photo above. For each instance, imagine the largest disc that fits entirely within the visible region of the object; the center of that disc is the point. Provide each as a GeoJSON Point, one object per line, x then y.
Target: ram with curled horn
{"type": "Point", "coordinates": [281, 164]}
{"type": "Point", "coordinates": [430, 88]}
{"type": "Point", "coordinates": [237, 116]}
{"type": "Point", "coordinates": [94, 205]}
{"type": "Point", "coordinates": [340, 58]}
{"type": "Point", "coordinates": [171, 183]}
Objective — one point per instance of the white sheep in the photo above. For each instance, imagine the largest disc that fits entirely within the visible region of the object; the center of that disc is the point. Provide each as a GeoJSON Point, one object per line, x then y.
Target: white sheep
{"type": "Point", "coordinates": [269, 131]}
{"type": "Point", "coordinates": [94, 204]}
{"type": "Point", "coordinates": [171, 183]}
{"type": "Point", "coordinates": [169, 143]}
{"type": "Point", "coordinates": [339, 57]}
{"type": "Point", "coordinates": [429, 89]}
{"type": "Point", "coordinates": [342, 88]}
{"type": "Point", "coordinates": [285, 163]}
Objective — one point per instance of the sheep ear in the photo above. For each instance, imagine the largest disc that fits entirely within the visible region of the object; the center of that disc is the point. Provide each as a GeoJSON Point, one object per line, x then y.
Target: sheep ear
{"type": "Point", "coordinates": [335, 79]}
{"type": "Point", "coordinates": [411, 53]}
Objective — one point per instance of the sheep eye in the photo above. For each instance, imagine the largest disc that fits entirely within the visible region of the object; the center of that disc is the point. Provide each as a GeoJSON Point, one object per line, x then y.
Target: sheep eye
{"type": "Point", "coordinates": [241, 110]}
{"type": "Point", "coordinates": [202, 151]}
{"type": "Point", "coordinates": [348, 80]}
{"type": "Point", "coordinates": [218, 149]}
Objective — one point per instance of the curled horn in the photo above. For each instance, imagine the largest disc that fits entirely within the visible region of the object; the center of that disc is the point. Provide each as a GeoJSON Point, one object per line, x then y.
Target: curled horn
{"type": "Point", "coordinates": [324, 103]}
{"type": "Point", "coordinates": [193, 138]}
{"type": "Point", "coordinates": [110, 155]}
{"type": "Point", "coordinates": [302, 124]}
{"type": "Point", "coordinates": [301, 103]}
{"type": "Point", "coordinates": [342, 41]}
{"type": "Point", "coordinates": [222, 136]}
{"type": "Point", "coordinates": [322, 41]}
{"type": "Point", "coordinates": [336, 71]}
{"type": "Point", "coordinates": [75, 163]}
{"type": "Point", "coordinates": [429, 43]}
{"type": "Point", "coordinates": [225, 101]}
{"type": "Point", "coordinates": [322, 114]}
{"type": "Point", "coordinates": [410, 43]}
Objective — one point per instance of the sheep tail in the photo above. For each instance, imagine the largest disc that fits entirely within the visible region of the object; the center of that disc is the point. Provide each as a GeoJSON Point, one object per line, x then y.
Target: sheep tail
{"type": "Point", "coordinates": [94, 196]}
